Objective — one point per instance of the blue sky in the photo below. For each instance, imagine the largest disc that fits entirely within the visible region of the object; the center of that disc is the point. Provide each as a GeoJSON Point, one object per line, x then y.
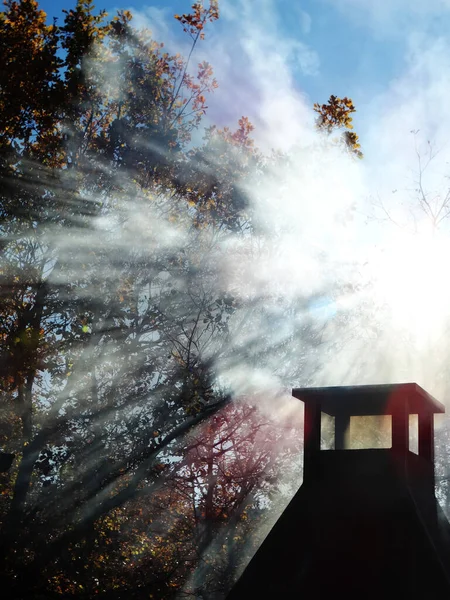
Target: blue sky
{"type": "Point", "coordinates": [274, 58]}
{"type": "Point", "coordinates": [357, 48]}
{"type": "Point", "coordinates": [353, 58]}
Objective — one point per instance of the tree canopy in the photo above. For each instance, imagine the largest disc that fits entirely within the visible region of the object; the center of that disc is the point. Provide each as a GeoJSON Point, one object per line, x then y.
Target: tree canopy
{"type": "Point", "coordinates": [134, 469]}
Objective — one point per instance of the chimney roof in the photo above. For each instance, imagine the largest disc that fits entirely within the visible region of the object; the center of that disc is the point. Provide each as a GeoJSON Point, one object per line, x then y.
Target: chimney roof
{"type": "Point", "coordinates": [360, 400]}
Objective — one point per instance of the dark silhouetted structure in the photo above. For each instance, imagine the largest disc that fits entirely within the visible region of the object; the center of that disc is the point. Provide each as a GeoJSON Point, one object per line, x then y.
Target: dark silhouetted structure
{"type": "Point", "coordinates": [365, 523]}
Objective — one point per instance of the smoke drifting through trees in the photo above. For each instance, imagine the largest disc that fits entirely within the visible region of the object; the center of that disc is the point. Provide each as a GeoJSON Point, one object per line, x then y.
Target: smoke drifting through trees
{"type": "Point", "coordinates": [157, 298]}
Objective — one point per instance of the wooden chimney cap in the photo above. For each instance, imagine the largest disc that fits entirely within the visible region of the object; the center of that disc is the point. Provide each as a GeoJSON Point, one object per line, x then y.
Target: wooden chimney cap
{"type": "Point", "coordinates": [365, 400]}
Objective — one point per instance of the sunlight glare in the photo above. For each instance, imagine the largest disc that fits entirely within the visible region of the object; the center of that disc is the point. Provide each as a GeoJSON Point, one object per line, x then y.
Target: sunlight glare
{"type": "Point", "coordinates": [410, 276]}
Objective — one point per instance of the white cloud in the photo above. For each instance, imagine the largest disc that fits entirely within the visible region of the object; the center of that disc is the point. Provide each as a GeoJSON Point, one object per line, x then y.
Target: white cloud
{"type": "Point", "coordinates": [257, 66]}
{"type": "Point", "coordinates": [254, 64]}
{"type": "Point", "coordinates": [415, 101]}
{"type": "Point", "coordinates": [305, 21]}
{"type": "Point", "coordinates": [155, 19]}
{"type": "Point", "coordinates": [391, 17]}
